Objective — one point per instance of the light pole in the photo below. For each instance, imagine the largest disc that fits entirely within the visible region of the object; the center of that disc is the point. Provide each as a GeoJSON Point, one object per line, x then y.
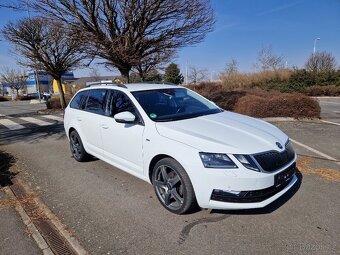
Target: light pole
{"type": "Point", "coordinates": [316, 39]}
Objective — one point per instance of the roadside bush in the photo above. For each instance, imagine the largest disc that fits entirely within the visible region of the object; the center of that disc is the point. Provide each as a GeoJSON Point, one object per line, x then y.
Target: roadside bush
{"type": "Point", "coordinates": [54, 102]}
{"type": "Point", "coordinates": [260, 103]}
{"type": "Point", "coordinates": [2, 99]}
{"type": "Point", "coordinates": [216, 93]}
{"type": "Point", "coordinates": [314, 91]}
{"type": "Point", "coordinates": [278, 105]}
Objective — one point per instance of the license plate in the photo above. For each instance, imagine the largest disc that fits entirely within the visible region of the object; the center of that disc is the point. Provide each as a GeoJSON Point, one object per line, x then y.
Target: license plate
{"type": "Point", "coordinates": [285, 175]}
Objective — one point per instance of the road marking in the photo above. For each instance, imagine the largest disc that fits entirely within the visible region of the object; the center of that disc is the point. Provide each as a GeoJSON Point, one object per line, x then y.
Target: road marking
{"type": "Point", "coordinates": [53, 117]}
{"type": "Point", "coordinates": [315, 151]}
{"type": "Point", "coordinates": [36, 121]}
{"type": "Point", "coordinates": [11, 124]}
{"type": "Point", "coordinates": [329, 122]}
{"type": "Point", "coordinates": [2, 115]}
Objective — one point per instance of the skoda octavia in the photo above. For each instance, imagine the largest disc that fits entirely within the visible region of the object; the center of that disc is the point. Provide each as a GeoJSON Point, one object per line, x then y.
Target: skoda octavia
{"type": "Point", "coordinates": [190, 150]}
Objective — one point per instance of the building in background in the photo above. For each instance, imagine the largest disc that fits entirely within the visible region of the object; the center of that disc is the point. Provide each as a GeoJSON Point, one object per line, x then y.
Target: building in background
{"type": "Point", "coordinates": [44, 80]}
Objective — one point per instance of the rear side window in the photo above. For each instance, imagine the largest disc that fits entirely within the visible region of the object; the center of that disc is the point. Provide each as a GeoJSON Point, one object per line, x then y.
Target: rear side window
{"type": "Point", "coordinates": [79, 100]}
{"type": "Point", "coordinates": [96, 101]}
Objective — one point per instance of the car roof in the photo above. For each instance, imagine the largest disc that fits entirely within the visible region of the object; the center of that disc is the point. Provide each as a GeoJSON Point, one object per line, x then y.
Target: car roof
{"type": "Point", "coordinates": [133, 86]}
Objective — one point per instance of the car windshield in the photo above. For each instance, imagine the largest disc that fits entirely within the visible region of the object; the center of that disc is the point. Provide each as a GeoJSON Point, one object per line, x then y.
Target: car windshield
{"type": "Point", "coordinates": [174, 104]}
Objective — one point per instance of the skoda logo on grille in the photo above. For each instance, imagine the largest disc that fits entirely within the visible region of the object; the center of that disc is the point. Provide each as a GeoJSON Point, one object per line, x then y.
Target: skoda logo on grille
{"type": "Point", "coordinates": [279, 145]}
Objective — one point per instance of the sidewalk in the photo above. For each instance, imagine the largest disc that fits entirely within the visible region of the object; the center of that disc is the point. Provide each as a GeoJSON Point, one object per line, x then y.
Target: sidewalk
{"type": "Point", "coordinates": [14, 236]}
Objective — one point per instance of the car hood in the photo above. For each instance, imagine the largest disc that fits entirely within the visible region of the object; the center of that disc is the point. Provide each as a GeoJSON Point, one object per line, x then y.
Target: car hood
{"type": "Point", "coordinates": [224, 132]}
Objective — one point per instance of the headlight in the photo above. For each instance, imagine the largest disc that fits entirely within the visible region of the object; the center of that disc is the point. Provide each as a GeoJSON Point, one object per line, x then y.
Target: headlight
{"type": "Point", "coordinates": [247, 161]}
{"type": "Point", "coordinates": [216, 160]}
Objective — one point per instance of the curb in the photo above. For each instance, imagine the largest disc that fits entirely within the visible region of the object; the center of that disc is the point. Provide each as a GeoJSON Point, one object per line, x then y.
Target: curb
{"type": "Point", "coordinates": [29, 224]}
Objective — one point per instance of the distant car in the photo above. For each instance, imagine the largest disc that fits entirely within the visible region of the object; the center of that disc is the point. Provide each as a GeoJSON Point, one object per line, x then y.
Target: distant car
{"type": "Point", "coordinates": [46, 95]}
{"type": "Point", "coordinates": [33, 95]}
{"type": "Point", "coordinates": [189, 149]}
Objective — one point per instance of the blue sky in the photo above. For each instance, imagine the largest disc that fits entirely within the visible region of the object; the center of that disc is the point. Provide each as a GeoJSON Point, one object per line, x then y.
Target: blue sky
{"type": "Point", "coordinates": [242, 27]}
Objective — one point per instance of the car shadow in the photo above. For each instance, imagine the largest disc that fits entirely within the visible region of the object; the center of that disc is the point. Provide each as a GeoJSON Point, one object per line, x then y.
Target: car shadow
{"type": "Point", "coordinates": [269, 208]}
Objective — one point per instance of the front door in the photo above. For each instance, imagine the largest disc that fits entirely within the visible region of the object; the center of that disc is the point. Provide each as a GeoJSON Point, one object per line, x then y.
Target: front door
{"type": "Point", "coordinates": [122, 142]}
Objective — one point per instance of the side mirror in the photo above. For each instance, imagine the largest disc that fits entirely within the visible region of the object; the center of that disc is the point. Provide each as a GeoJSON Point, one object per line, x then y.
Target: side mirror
{"type": "Point", "coordinates": [125, 117]}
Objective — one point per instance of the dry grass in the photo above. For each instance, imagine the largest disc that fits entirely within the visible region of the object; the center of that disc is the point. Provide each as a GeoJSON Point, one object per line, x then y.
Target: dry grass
{"type": "Point", "coordinates": [304, 164]}
{"type": "Point", "coordinates": [252, 80]}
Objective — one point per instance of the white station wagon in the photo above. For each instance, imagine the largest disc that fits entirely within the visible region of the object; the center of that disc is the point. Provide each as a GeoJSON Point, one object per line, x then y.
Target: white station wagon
{"type": "Point", "coordinates": [190, 150]}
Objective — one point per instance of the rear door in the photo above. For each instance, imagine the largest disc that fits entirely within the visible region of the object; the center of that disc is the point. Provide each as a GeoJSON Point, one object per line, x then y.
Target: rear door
{"type": "Point", "coordinates": [95, 109]}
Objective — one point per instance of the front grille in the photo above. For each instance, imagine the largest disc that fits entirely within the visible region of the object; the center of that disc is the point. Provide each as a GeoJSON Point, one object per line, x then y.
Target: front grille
{"type": "Point", "coordinates": [273, 160]}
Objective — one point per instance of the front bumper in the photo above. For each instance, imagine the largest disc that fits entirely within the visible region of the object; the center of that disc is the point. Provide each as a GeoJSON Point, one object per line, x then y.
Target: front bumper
{"type": "Point", "coordinates": [242, 188]}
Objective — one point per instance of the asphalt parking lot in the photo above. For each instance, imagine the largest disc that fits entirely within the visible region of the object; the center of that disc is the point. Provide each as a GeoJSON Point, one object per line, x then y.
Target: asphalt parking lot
{"type": "Point", "coordinates": [111, 212]}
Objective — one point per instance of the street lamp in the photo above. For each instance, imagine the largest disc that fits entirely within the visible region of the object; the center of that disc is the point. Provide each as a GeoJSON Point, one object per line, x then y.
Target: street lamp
{"type": "Point", "coordinates": [316, 39]}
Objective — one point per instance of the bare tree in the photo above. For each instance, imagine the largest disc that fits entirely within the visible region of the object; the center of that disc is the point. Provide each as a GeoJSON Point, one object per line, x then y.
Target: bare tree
{"type": "Point", "coordinates": [126, 33]}
{"type": "Point", "coordinates": [197, 75]}
{"type": "Point", "coordinates": [95, 73]}
{"type": "Point", "coordinates": [152, 62]}
{"type": "Point", "coordinates": [267, 60]}
{"type": "Point", "coordinates": [45, 46]}
{"type": "Point", "coordinates": [15, 79]}
{"type": "Point", "coordinates": [231, 67]}
{"type": "Point", "coordinates": [321, 62]}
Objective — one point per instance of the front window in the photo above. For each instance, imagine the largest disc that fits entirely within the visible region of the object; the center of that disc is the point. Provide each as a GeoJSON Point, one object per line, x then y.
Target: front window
{"type": "Point", "coordinates": [174, 104]}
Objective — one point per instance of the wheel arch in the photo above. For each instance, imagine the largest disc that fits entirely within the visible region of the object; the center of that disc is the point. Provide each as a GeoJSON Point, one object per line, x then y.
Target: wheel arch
{"type": "Point", "coordinates": [154, 161]}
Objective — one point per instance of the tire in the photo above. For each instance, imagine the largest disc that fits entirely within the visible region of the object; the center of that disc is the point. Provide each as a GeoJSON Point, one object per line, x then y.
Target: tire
{"type": "Point", "coordinates": [173, 187]}
{"type": "Point", "coordinates": [77, 148]}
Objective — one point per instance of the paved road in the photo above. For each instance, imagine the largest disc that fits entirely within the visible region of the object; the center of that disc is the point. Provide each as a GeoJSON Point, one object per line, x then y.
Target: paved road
{"type": "Point", "coordinates": [112, 212]}
{"type": "Point", "coordinates": [330, 109]}
{"type": "Point", "coordinates": [19, 108]}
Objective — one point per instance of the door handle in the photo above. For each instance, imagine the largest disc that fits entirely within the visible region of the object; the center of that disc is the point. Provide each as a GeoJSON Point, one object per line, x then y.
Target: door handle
{"type": "Point", "coordinates": [78, 118]}
{"type": "Point", "coordinates": [104, 126]}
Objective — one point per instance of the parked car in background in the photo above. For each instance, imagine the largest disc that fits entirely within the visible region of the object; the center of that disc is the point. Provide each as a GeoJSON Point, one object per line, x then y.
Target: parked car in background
{"type": "Point", "coordinates": [189, 149]}
{"type": "Point", "coordinates": [46, 95]}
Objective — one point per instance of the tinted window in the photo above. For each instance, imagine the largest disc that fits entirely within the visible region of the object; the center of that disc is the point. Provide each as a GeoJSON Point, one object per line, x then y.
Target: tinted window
{"type": "Point", "coordinates": [79, 100]}
{"type": "Point", "coordinates": [120, 102]}
{"type": "Point", "coordinates": [96, 101]}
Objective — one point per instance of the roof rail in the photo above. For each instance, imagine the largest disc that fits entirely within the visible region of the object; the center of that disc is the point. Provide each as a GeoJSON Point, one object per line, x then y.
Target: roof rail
{"type": "Point", "coordinates": [108, 83]}
{"type": "Point", "coordinates": [158, 82]}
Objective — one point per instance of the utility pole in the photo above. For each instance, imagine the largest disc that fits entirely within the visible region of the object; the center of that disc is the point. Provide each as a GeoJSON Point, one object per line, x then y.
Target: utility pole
{"type": "Point", "coordinates": [314, 49]}
{"type": "Point", "coordinates": [36, 77]}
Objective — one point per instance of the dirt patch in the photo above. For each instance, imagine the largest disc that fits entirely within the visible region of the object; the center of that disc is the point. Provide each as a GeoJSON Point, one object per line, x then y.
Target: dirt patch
{"type": "Point", "coordinates": [304, 164]}
{"type": "Point", "coordinates": [51, 111]}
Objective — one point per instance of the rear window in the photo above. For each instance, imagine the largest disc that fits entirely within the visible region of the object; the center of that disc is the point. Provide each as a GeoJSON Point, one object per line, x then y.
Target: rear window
{"type": "Point", "coordinates": [96, 101]}
{"type": "Point", "coordinates": [79, 100]}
